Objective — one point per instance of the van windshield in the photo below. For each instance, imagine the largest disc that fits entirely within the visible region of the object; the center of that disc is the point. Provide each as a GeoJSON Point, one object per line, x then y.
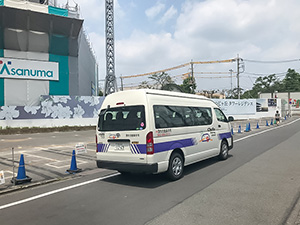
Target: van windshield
{"type": "Point", "coordinates": [122, 118]}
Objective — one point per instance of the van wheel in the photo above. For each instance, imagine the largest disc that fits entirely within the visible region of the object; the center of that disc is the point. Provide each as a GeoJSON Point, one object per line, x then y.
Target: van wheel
{"type": "Point", "coordinates": [124, 173]}
{"type": "Point", "coordinates": [223, 151]}
{"type": "Point", "coordinates": [175, 170]}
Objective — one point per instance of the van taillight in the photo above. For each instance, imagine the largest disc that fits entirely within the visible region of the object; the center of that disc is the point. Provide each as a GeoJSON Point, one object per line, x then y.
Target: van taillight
{"type": "Point", "coordinates": [149, 143]}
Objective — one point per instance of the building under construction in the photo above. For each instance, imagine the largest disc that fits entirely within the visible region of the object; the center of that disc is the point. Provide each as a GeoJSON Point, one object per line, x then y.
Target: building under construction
{"type": "Point", "coordinates": [43, 51]}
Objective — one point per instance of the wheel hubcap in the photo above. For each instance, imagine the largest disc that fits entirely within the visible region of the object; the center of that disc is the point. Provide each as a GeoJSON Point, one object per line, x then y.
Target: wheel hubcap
{"type": "Point", "coordinates": [224, 150]}
{"type": "Point", "coordinates": [177, 166]}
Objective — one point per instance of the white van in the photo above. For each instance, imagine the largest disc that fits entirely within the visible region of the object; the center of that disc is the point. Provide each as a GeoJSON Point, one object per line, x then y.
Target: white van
{"type": "Point", "coordinates": [154, 131]}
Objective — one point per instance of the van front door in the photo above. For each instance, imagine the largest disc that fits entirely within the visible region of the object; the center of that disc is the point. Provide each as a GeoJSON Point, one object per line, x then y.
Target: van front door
{"type": "Point", "coordinates": [206, 138]}
{"type": "Point", "coordinates": [222, 126]}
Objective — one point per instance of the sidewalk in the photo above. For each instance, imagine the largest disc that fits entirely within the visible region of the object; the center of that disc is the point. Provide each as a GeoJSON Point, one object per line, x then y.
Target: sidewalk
{"type": "Point", "coordinates": [270, 182]}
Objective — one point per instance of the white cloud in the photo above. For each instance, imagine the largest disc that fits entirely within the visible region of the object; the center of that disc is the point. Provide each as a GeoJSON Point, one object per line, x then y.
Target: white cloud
{"type": "Point", "coordinates": [207, 30]}
{"type": "Point", "coordinates": [236, 23]}
{"type": "Point", "coordinates": [171, 13]}
{"type": "Point", "coordinates": [149, 52]}
{"type": "Point", "coordinates": [152, 12]}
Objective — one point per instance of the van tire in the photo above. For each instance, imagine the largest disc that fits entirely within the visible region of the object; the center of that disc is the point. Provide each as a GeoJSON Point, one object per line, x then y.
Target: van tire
{"type": "Point", "coordinates": [124, 173]}
{"type": "Point", "coordinates": [223, 150]}
{"type": "Point", "coordinates": [175, 170]}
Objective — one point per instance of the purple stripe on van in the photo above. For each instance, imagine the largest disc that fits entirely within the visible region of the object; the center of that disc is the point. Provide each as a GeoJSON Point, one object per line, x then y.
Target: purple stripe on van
{"type": "Point", "coordinates": [142, 148]}
{"type": "Point", "coordinates": [102, 147]}
{"type": "Point", "coordinates": [170, 145]}
{"type": "Point", "coordinates": [158, 147]}
{"type": "Point", "coordinates": [225, 135]}
{"type": "Point", "coordinates": [99, 147]}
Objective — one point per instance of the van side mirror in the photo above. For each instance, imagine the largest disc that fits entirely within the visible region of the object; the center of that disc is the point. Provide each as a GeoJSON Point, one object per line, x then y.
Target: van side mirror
{"type": "Point", "coordinates": [230, 118]}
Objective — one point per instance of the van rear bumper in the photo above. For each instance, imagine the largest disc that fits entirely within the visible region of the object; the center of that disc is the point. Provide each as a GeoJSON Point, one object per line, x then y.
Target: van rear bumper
{"type": "Point", "coordinates": [128, 167]}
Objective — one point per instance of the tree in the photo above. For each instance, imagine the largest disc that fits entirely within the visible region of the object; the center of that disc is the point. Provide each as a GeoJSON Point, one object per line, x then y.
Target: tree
{"type": "Point", "coordinates": [291, 82]}
{"type": "Point", "coordinates": [267, 84]}
{"type": "Point", "coordinates": [188, 85]}
{"type": "Point", "coordinates": [234, 93]}
{"type": "Point", "coordinates": [270, 84]}
{"type": "Point", "coordinates": [145, 85]}
{"type": "Point", "coordinates": [172, 87]}
{"type": "Point", "coordinates": [161, 80]}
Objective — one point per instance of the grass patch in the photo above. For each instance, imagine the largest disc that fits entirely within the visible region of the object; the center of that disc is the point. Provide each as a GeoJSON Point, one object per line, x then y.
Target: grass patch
{"type": "Point", "coordinates": [29, 130]}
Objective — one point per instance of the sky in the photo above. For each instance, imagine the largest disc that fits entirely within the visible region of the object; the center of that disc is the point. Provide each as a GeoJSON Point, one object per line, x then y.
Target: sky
{"type": "Point", "coordinates": [152, 35]}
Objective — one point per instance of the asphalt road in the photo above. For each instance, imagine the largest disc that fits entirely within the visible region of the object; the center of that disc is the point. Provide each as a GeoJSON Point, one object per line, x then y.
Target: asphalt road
{"type": "Point", "coordinates": [134, 199]}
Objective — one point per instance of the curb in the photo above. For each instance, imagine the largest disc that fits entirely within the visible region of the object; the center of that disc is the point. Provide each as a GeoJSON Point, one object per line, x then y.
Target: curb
{"type": "Point", "coordinates": [15, 188]}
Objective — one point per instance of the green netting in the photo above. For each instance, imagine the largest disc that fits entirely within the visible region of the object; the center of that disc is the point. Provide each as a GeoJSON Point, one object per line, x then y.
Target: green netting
{"type": "Point", "coordinates": [59, 45]}
{"type": "Point", "coordinates": [1, 2]}
{"type": "Point", "coordinates": [60, 87]}
{"type": "Point", "coordinates": [57, 11]}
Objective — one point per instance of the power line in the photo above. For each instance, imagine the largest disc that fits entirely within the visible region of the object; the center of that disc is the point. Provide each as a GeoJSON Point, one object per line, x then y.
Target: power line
{"type": "Point", "coordinates": [279, 74]}
{"type": "Point", "coordinates": [212, 77]}
{"type": "Point", "coordinates": [264, 74]}
{"type": "Point", "coordinates": [277, 61]}
{"type": "Point", "coordinates": [180, 66]}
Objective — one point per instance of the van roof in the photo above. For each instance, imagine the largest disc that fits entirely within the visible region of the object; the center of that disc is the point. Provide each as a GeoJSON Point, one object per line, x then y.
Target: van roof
{"type": "Point", "coordinates": [163, 93]}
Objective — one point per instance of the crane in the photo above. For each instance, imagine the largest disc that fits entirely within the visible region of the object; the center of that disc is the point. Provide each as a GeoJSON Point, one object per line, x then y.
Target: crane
{"type": "Point", "coordinates": [110, 79]}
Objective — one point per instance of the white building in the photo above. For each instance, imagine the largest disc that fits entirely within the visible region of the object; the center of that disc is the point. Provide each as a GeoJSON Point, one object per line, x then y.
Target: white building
{"type": "Point", "coordinates": [43, 51]}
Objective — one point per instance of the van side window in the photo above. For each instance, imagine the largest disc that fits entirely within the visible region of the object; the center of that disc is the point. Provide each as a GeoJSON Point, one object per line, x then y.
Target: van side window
{"type": "Point", "coordinates": [220, 115]}
{"type": "Point", "coordinates": [180, 116]}
{"type": "Point", "coordinates": [168, 116]}
{"type": "Point", "coordinates": [203, 116]}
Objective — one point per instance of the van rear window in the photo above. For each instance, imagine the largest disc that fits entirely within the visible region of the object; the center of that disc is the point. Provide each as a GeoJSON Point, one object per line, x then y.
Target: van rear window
{"type": "Point", "coordinates": [122, 118]}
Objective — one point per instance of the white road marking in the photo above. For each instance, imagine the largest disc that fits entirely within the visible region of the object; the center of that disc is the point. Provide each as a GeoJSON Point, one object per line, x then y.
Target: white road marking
{"type": "Point", "coordinates": [37, 156]}
{"type": "Point", "coordinates": [113, 175]}
{"type": "Point", "coordinates": [65, 163]}
{"type": "Point", "coordinates": [56, 191]}
{"type": "Point", "coordinates": [264, 131]}
{"type": "Point", "coordinates": [7, 171]}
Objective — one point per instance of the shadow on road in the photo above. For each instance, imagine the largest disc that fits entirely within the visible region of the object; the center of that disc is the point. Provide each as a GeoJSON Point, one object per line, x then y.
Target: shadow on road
{"type": "Point", "coordinates": [150, 181]}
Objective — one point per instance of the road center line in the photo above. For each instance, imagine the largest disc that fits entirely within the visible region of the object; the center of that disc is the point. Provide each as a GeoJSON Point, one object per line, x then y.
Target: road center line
{"type": "Point", "coordinates": [56, 191]}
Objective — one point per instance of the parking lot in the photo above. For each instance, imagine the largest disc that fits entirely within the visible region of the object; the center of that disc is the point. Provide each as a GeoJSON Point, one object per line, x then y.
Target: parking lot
{"type": "Point", "coordinates": [45, 162]}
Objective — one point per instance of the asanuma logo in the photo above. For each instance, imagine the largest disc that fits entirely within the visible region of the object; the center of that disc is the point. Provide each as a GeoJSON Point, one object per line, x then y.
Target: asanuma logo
{"type": "Point", "coordinates": [8, 69]}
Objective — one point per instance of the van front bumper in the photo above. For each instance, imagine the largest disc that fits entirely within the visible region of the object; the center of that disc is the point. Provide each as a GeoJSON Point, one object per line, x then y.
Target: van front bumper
{"type": "Point", "coordinates": [128, 167]}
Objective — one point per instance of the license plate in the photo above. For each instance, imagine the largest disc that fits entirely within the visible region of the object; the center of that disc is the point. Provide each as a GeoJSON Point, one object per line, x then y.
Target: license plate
{"type": "Point", "coordinates": [118, 146]}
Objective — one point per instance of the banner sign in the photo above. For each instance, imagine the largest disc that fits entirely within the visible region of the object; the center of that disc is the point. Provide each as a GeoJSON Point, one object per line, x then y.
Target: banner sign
{"type": "Point", "coordinates": [236, 106]}
{"type": "Point", "coordinates": [80, 148]}
{"type": "Point", "coordinates": [272, 102]}
{"type": "Point", "coordinates": [28, 69]}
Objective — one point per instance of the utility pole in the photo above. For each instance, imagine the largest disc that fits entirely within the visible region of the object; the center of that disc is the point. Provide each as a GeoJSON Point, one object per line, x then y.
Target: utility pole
{"type": "Point", "coordinates": [238, 76]}
{"type": "Point", "coordinates": [110, 80]}
{"type": "Point", "coordinates": [192, 75]}
{"type": "Point", "coordinates": [192, 68]}
{"type": "Point", "coordinates": [231, 81]}
{"type": "Point", "coordinates": [122, 88]}
{"type": "Point", "coordinates": [240, 69]}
